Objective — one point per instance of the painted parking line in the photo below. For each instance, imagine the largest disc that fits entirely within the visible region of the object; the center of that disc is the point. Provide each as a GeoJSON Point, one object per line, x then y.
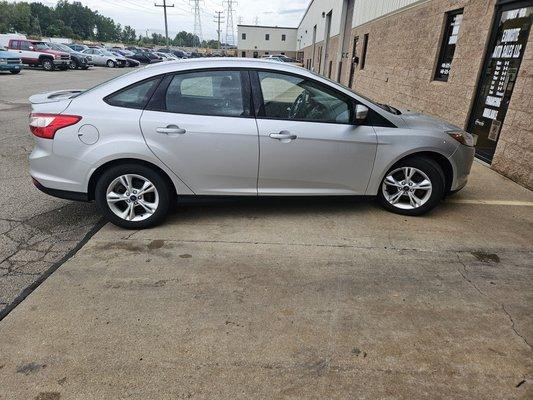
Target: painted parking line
{"type": "Point", "coordinates": [493, 202]}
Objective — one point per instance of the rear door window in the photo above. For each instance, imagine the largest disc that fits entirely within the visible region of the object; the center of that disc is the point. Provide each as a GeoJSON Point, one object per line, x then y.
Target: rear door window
{"type": "Point", "coordinates": [217, 93]}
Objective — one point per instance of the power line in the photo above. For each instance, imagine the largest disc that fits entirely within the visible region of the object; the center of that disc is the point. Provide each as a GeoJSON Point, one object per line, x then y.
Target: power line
{"type": "Point", "coordinates": [219, 20]}
{"type": "Point", "coordinates": [197, 20]}
{"type": "Point", "coordinates": [164, 5]}
{"type": "Point", "coordinates": [230, 33]}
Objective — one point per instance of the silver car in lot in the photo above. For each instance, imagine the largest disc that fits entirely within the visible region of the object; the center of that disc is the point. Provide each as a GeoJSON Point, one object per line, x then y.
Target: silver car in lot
{"type": "Point", "coordinates": [238, 127]}
{"type": "Point", "coordinates": [105, 58]}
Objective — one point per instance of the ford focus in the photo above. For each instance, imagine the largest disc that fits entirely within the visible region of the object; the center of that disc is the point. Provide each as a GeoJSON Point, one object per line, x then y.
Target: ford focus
{"type": "Point", "coordinates": [237, 127]}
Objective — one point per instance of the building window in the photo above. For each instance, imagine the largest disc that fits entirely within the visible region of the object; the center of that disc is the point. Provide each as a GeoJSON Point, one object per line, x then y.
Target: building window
{"type": "Point", "coordinates": [267, 36]}
{"type": "Point", "coordinates": [243, 54]}
{"type": "Point", "coordinates": [283, 38]}
{"type": "Point", "coordinates": [243, 36]}
{"type": "Point", "coordinates": [447, 47]}
{"type": "Point", "coordinates": [363, 51]}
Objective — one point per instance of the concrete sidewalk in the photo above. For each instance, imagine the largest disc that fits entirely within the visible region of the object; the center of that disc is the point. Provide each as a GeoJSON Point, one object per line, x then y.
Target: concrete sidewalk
{"type": "Point", "coordinates": [289, 300]}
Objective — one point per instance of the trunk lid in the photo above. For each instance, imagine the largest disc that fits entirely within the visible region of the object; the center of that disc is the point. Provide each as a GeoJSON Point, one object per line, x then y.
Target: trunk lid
{"type": "Point", "coordinates": [53, 102]}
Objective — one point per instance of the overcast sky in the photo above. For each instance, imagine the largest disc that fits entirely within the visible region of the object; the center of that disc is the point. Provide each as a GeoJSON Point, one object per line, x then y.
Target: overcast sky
{"type": "Point", "coordinates": [142, 15]}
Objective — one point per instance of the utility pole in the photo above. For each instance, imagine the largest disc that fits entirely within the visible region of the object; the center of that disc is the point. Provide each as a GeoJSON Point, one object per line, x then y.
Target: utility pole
{"type": "Point", "coordinates": [219, 20]}
{"type": "Point", "coordinates": [230, 34]}
{"type": "Point", "coordinates": [197, 20]}
{"type": "Point", "coordinates": [164, 5]}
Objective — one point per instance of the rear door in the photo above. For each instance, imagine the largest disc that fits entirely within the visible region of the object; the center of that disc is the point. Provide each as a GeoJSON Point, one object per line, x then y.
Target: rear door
{"type": "Point", "coordinates": [308, 143]}
{"type": "Point", "coordinates": [199, 123]}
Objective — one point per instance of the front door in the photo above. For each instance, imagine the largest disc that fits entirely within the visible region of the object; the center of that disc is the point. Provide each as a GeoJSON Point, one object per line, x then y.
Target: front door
{"type": "Point", "coordinates": [308, 144]}
{"type": "Point", "coordinates": [200, 125]}
{"type": "Point", "coordinates": [508, 43]}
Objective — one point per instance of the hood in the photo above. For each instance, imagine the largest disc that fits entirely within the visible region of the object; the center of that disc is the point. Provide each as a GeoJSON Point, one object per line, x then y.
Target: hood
{"type": "Point", "coordinates": [8, 54]}
{"type": "Point", "coordinates": [53, 97]}
{"type": "Point", "coordinates": [418, 120]}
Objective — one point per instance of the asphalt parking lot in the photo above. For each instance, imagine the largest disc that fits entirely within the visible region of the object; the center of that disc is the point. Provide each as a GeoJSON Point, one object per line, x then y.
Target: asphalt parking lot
{"type": "Point", "coordinates": [36, 231]}
{"type": "Point", "coordinates": [283, 298]}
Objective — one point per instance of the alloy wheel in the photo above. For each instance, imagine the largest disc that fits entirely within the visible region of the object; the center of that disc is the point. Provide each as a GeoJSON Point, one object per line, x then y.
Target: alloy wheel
{"type": "Point", "coordinates": [407, 188]}
{"type": "Point", "coordinates": [132, 197]}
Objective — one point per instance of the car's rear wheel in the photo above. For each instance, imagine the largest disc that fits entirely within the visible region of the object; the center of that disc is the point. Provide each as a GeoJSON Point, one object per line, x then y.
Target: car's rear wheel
{"type": "Point", "coordinates": [14, 72]}
{"type": "Point", "coordinates": [133, 196]}
{"type": "Point", "coordinates": [111, 64]}
{"type": "Point", "coordinates": [48, 65]}
{"type": "Point", "coordinates": [413, 186]}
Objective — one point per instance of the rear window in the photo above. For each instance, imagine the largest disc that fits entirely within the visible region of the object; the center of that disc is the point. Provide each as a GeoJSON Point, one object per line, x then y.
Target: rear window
{"type": "Point", "coordinates": [135, 96]}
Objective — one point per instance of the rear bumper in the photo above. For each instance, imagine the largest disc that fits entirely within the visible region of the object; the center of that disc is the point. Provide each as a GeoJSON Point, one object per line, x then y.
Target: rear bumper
{"type": "Point", "coordinates": [62, 194]}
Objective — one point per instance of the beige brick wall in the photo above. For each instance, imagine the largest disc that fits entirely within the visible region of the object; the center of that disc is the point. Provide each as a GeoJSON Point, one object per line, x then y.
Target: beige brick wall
{"type": "Point", "coordinates": [400, 64]}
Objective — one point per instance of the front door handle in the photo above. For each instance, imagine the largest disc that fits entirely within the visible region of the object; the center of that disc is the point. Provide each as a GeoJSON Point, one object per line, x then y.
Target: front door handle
{"type": "Point", "coordinates": [170, 129]}
{"type": "Point", "coordinates": [283, 135]}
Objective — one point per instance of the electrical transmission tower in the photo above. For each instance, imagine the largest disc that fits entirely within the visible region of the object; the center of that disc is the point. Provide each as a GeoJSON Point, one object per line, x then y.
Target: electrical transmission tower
{"type": "Point", "coordinates": [164, 5]}
{"type": "Point", "coordinates": [256, 20]}
{"type": "Point", "coordinates": [230, 33]}
{"type": "Point", "coordinates": [219, 20]}
{"type": "Point", "coordinates": [239, 20]}
{"type": "Point", "coordinates": [197, 20]}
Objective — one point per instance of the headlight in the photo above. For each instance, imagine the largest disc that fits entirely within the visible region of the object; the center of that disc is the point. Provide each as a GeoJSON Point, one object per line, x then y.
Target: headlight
{"type": "Point", "coordinates": [462, 137]}
{"type": "Point", "coordinates": [3, 60]}
{"type": "Point", "coordinates": [57, 56]}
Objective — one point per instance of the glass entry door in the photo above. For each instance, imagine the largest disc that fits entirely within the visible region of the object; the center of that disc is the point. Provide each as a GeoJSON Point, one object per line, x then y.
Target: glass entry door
{"type": "Point", "coordinates": [508, 43]}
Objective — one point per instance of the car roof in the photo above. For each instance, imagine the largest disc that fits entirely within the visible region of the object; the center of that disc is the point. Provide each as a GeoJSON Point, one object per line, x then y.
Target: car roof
{"type": "Point", "coordinates": [222, 62]}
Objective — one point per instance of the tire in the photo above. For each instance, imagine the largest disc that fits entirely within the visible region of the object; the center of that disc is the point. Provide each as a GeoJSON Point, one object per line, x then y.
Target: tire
{"type": "Point", "coordinates": [48, 65]}
{"type": "Point", "coordinates": [85, 68]}
{"type": "Point", "coordinates": [73, 64]}
{"type": "Point", "coordinates": [401, 195]}
{"type": "Point", "coordinates": [15, 72]}
{"type": "Point", "coordinates": [159, 200]}
{"type": "Point", "coordinates": [111, 64]}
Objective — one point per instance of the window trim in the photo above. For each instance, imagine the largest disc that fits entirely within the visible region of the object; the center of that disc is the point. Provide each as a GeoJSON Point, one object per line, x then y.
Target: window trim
{"type": "Point", "coordinates": [362, 60]}
{"type": "Point", "coordinates": [446, 33]}
{"type": "Point", "coordinates": [157, 97]}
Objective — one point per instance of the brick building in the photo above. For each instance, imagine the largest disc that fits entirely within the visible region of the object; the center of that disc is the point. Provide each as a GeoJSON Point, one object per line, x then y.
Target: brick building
{"type": "Point", "coordinates": [469, 62]}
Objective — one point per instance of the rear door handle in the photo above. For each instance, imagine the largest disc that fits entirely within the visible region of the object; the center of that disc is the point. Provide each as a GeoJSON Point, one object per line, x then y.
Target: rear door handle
{"type": "Point", "coordinates": [283, 135]}
{"type": "Point", "coordinates": [170, 129]}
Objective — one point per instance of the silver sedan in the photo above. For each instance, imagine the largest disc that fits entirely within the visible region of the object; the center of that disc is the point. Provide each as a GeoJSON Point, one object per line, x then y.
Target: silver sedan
{"type": "Point", "coordinates": [237, 127]}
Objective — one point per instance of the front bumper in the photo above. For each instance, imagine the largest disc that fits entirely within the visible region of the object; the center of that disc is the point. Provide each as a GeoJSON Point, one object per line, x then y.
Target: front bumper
{"type": "Point", "coordinates": [62, 62]}
{"type": "Point", "coordinates": [461, 160]}
{"type": "Point", "coordinates": [11, 67]}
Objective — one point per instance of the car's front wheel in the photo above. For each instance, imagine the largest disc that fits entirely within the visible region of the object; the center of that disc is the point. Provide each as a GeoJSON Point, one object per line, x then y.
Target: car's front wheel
{"type": "Point", "coordinates": [48, 65]}
{"type": "Point", "coordinates": [111, 64]}
{"type": "Point", "coordinates": [133, 196]}
{"type": "Point", "coordinates": [413, 186]}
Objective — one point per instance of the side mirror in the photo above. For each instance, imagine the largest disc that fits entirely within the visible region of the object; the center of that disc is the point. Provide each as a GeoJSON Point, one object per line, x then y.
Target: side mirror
{"type": "Point", "coordinates": [361, 112]}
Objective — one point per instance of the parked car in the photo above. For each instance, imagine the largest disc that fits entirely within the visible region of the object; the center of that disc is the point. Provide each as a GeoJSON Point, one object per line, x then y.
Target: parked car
{"type": "Point", "coordinates": [283, 58]}
{"type": "Point", "coordinates": [10, 61]}
{"type": "Point", "coordinates": [105, 58]}
{"type": "Point", "coordinates": [166, 56]}
{"type": "Point", "coordinates": [77, 47]}
{"type": "Point", "coordinates": [35, 53]}
{"type": "Point", "coordinates": [145, 58]}
{"type": "Point", "coordinates": [135, 143]}
{"type": "Point", "coordinates": [130, 62]}
{"type": "Point", "coordinates": [77, 59]}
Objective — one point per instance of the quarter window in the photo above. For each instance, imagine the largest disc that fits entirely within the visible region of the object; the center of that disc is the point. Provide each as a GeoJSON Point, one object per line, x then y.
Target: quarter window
{"type": "Point", "coordinates": [135, 96]}
{"type": "Point", "coordinates": [295, 98]}
{"type": "Point", "coordinates": [449, 40]}
{"type": "Point", "coordinates": [207, 93]}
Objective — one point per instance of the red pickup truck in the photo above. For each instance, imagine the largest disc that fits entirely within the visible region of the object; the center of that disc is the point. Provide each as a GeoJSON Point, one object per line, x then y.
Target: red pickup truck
{"type": "Point", "coordinates": [35, 53]}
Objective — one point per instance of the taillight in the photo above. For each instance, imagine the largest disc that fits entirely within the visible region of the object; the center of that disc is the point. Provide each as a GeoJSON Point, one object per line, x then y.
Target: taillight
{"type": "Point", "coordinates": [46, 125]}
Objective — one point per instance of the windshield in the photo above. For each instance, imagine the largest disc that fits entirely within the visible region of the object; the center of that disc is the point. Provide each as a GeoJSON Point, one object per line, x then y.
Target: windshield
{"type": "Point", "coordinates": [107, 53]}
{"type": "Point", "coordinates": [61, 47]}
{"type": "Point", "coordinates": [385, 107]}
{"type": "Point", "coordinates": [104, 83]}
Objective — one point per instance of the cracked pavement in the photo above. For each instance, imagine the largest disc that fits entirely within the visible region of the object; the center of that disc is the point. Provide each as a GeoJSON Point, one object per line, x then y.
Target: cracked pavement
{"type": "Point", "coordinates": [36, 230]}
